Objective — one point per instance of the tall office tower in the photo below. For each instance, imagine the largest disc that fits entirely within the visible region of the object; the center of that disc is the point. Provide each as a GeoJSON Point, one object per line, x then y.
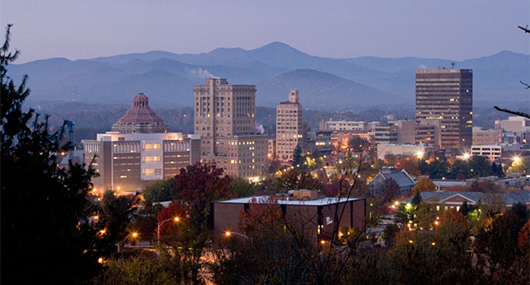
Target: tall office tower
{"type": "Point", "coordinates": [225, 119]}
{"type": "Point", "coordinates": [447, 95]}
{"type": "Point", "coordinates": [289, 127]}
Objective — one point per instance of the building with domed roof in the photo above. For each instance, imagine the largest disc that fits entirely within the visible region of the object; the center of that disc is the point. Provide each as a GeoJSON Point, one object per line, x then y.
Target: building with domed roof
{"type": "Point", "coordinates": [138, 150]}
{"type": "Point", "coordinates": [140, 119]}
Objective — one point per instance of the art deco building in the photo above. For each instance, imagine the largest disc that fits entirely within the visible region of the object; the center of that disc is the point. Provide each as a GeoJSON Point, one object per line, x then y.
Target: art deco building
{"type": "Point", "coordinates": [225, 119]}
{"type": "Point", "coordinates": [140, 119]}
{"type": "Point", "coordinates": [139, 150]}
{"type": "Point", "coordinates": [289, 127]}
{"type": "Point", "coordinates": [447, 95]}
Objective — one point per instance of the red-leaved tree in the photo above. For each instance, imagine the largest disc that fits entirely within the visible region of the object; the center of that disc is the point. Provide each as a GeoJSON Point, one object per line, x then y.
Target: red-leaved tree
{"type": "Point", "coordinates": [170, 227]}
{"type": "Point", "coordinates": [197, 186]}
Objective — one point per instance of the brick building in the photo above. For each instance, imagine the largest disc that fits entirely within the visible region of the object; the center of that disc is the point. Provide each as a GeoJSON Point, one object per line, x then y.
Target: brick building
{"type": "Point", "coordinates": [318, 215]}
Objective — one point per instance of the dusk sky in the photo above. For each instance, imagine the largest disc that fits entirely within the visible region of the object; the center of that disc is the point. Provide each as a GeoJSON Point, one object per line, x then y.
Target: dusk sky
{"type": "Point", "coordinates": [449, 29]}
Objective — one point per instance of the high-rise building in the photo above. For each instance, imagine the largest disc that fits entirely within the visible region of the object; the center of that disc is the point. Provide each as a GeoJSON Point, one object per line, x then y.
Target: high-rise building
{"type": "Point", "coordinates": [289, 127]}
{"type": "Point", "coordinates": [139, 150]}
{"type": "Point", "coordinates": [447, 95]}
{"type": "Point", "coordinates": [225, 119]}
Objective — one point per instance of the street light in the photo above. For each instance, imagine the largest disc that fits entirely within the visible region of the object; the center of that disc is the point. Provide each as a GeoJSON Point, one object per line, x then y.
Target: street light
{"type": "Point", "coordinates": [133, 234]}
{"type": "Point", "coordinates": [229, 233]}
{"type": "Point", "coordinates": [176, 219]}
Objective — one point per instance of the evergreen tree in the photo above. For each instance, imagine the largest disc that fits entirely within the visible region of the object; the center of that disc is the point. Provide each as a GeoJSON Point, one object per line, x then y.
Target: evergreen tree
{"type": "Point", "coordinates": [297, 155]}
{"type": "Point", "coordinates": [465, 209]}
{"type": "Point", "coordinates": [417, 199]}
{"type": "Point", "coordinates": [47, 233]}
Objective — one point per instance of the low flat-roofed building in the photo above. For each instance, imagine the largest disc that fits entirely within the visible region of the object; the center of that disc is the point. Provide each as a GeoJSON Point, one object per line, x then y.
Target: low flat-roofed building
{"type": "Point", "coordinates": [322, 141]}
{"type": "Point", "coordinates": [403, 150]}
{"type": "Point", "coordinates": [514, 124]}
{"type": "Point", "coordinates": [492, 152]}
{"type": "Point", "coordinates": [486, 137]}
{"type": "Point", "coordinates": [318, 215]}
{"type": "Point", "coordinates": [346, 125]}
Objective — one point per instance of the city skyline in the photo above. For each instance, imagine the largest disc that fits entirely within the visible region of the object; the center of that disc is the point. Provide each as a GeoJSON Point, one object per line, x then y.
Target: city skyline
{"type": "Point", "coordinates": [453, 30]}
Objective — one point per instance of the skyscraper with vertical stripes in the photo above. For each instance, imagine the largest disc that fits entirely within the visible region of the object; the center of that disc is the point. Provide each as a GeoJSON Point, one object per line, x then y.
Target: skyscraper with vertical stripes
{"type": "Point", "coordinates": [446, 95]}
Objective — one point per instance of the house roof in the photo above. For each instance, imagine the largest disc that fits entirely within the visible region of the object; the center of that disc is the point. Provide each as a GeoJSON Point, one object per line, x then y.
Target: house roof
{"type": "Point", "coordinates": [519, 196]}
{"type": "Point", "coordinates": [510, 198]}
{"type": "Point", "coordinates": [402, 178]}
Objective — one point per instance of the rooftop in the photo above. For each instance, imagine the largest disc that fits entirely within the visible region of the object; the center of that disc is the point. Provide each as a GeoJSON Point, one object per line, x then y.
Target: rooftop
{"type": "Point", "coordinates": [510, 198]}
{"type": "Point", "coordinates": [273, 199]}
{"type": "Point", "coordinates": [140, 111]}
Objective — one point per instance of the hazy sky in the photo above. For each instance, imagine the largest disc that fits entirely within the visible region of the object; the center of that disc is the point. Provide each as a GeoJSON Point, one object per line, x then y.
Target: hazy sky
{"type": "Point", "coordinates": [449, 29]}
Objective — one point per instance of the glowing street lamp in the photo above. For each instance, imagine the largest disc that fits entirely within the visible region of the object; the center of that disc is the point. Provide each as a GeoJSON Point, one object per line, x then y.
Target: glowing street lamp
{"type": "Point", "coordinates": [467, 155]}
{"type": "Point", "coordinates": [229, 233]}
{"type": "Point", "coordinates": [176, 219]}
{"type": "Point", "coordinates": [133, 234]}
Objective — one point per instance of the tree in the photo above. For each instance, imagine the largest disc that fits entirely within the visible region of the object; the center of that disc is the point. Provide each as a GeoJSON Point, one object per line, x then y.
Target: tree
{"type": "Point", "coordinates": [465, 209]}
{"type": "Point", "coordinates": [242, 187]}
{"type": "Point", "coordinates": [417, 199]}
{"type": "Point", "coordinates": [504, 260]}
{"type": "Point", "coordinates": [411, 165]}
{"type": "Point", "coordinates": [46, 210]}
{"type": "Point", "coordinates": [424, 185]}
{"type": "Point", "coordinates": [452, 240]}
{"type": "Point", "coordinates": [296, 179]}
{"type": "Point", "coordinates": [426, 215]}
{"type": "Point", "coordinates": [158, 191]}
{"type": "Point", "coordinates": [297, 155]}
{"type": "Point", "coordinates": [170, 228]}
{"type": "Point", "coordinates": [358, 144]}
{"type": "Point", "coordinates": [197, 186]}
{"type": "Point", "coordinates": [436, 169]}
{"type": "Point", "coordinates": [523, 241]}
{"type": "Point", "coordinates": [497, 170]}
{"type": "Point", "coordinates": [115, 214]}
{"type": "Point", "coordinates": [520, 166]}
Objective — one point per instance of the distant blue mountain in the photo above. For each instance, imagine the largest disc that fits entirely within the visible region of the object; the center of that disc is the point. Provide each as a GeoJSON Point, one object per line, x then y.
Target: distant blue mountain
{"type": "Point", "coordinates": [319, 90]}
{"type": "Point", "coordinates": [168, 78]}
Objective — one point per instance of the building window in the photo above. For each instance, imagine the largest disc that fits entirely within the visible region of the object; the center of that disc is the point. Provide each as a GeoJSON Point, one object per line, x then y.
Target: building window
{"type": "Point", "coordinates": [151, 159]}
{"type": "Point", "coordinates": [152, 146]}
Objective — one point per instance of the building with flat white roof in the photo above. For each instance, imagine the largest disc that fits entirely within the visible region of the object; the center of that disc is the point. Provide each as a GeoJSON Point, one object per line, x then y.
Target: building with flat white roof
{"type": "Point", "coordinates": [317, 215]}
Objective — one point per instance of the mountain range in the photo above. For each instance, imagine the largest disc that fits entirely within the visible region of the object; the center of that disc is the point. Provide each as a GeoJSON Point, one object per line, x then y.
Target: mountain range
{"type": "Point", "coordinates": [324, 83]}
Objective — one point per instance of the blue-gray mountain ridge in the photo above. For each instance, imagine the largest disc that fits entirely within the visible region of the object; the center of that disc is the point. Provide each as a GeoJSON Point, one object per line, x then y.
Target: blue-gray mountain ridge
{"type": "Point", "coordinates": [324, 83]}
